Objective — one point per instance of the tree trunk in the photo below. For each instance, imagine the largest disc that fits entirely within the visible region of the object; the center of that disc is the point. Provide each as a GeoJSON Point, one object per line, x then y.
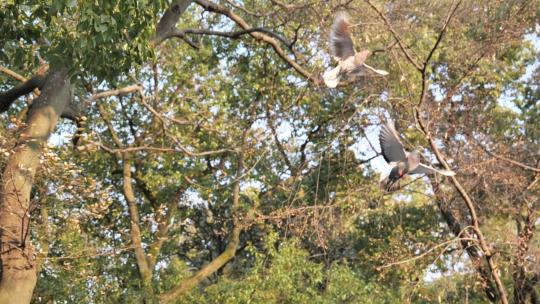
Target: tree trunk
{"type": "Point", "coordinates": [18, 256]}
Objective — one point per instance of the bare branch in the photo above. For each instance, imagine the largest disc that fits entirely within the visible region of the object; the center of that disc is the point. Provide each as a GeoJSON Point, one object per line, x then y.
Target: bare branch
{"type": "Point", "coordinates": [291, 7]}
{"type": "Point", "coordinates": [159, 115]}
{"type": "Point", "coordinates": [178, 149]}
{"type": "Point", "coordinates": [472, 212]}
{"type": "Point", "coordinates": [453, 223]}
{"type": "Point", "coordinates": [279, 145]}
{"type": "Point", "coordinates": [488, 255]}
{"type": "Point", "coordinates": [513, 162]}
{"type": "Point", "coordinates": [443, 244]}
{"type": "Point", "coordinates": [117, 92]}
{"type": "Point", "coordinates": [441, 34]}
{"type": "Point", "coordinates": [423, 71]}
{"type": "Point", "coordinates": [12, 74]}
{"type": "Point", "coordinates": [272, 41]}
{"type": "Point", "coordinates": [105, 116]}
{"type": "Point", "coordinates": [176, 33]}
{"type": "Point", "coordinates": [396, 36]}
{"type": "Point", "coordinates": [233, 35]}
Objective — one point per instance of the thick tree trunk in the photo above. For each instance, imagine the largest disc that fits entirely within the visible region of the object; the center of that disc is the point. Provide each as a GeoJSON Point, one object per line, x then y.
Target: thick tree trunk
{"type": "Point", "coordinates": [17, 253]}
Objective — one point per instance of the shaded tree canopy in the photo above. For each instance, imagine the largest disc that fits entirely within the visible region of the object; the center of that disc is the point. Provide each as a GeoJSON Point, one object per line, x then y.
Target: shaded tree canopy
{"type": "Point", "coordinates": [189, 152]}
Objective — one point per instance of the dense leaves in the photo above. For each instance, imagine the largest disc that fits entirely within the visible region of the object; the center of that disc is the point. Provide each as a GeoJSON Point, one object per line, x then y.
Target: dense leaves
{"type": "Point", "coordinates": [215, 112]}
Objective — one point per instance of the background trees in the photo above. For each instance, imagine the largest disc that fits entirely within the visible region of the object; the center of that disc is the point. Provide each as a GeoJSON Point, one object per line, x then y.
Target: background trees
{"type": "Point", "coordinates": [210, 164]}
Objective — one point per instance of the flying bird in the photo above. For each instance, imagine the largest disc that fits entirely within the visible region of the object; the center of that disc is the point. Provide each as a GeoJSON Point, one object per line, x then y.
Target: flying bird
{"type": "Point", "coordinates": [403, 163]}
{"type": "Point", "coordinates": [350, 63]}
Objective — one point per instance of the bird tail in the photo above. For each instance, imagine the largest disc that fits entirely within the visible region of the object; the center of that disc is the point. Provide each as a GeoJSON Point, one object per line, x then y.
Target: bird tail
{"type": "Point", "coordinates": [331, 77]}
{"type": "Point", "coordinates": [374, 70]}
{"type": "Point", "coordinates": [447, 172]}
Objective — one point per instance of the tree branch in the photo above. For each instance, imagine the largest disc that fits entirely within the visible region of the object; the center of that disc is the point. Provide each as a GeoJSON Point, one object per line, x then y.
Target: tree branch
{"type": "Point", "coordinates": [488, 255]}
{"type": "Point", "coordinates": [445, 244]}
{"type": "Point", "coordinates": [234, 240]}
{"type": "Point", "coordinates": [72, 113]}
{"type": "Point", "coordinates": [272, 41]}
{"type": "Point", "coordinates": [472, 212]}
{"type": "Point", "coordinates": [7, 98]}
{"type": "Point", "coordinates": [162, 230]}
{"type": "Point", "coordinates": [281, 149]}
{"type": "Point", "coordinates": [12, 74]}
{"type": "Point", "coordinates": [441, 34]}
{"type": "Point", "coordinates": [179, 149]}
{"type": "Point", "coordinates": [396, 36]}
{"type": "Point", "coordinates": [168, 22]}
{"type": "Point", "coordinates": [423, 71]}
{"type": "Point", "coordinates": [135, 233]}
{"type": "Point", "coordinates": [233, 35]}
{"type": "Point", "coordinates": [117, 92]}
{"type": "Point", "coordinates": [513, 162]}
{"type": "Point", "coordinates": [472, 250]}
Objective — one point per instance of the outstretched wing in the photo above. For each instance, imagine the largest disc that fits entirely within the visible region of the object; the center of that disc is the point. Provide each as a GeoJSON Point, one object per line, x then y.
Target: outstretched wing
{"type": "Point", "coordinates": [341, 44]}
{"type": "Point", "coordinates": [424, 169]}
{"type": "Point", "coordinates": [392, 149]}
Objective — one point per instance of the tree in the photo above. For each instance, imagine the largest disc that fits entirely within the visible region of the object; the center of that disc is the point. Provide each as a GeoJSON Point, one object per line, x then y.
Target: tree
{"type": "Point", "coordinates": [208, 160]}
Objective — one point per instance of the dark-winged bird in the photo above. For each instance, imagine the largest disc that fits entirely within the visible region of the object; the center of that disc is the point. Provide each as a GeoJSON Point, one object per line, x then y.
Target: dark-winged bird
{"type": "Point", "coordinates": [402, 162]}
{"type": "Point", "coordinates": [350, 63]}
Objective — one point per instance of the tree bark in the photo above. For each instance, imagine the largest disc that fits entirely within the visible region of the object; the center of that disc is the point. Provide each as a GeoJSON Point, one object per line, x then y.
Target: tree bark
{"type": "Point", "coordinates": [168, 22]}
{"type": "Point", "coordinates": [18, 256]}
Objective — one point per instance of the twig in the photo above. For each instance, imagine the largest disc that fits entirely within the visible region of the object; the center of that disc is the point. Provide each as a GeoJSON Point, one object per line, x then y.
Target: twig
{"type": "Point", "coordinates": [117, 92]}
{"type": "Point", "coordinates": [513, 162]}
{"type": "Point", "coordinates": [447, 243]}
{"type": "Point", "coordinates": [161, 149]}
{"type": "Point", "coordinates": [12, 74]}
{"type": "Point", "coordinates": [462, 192]}
{"type": "Point", "coordinates": [423, 71]}
{"type": "Point", "coordinates": [233, 35]}
{"type": "Point", "coordinates": [272, 41]}
{"type": "Point", "coordinates": [396, 36]}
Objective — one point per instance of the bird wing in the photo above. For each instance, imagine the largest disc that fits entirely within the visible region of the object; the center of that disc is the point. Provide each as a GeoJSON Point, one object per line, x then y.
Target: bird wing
{"type": "Point", "coordinates": [424, 169]}
{"type": "Point", "coordinates": [341, 44]}
{"type": "Point", "coordinates": [392, 148]}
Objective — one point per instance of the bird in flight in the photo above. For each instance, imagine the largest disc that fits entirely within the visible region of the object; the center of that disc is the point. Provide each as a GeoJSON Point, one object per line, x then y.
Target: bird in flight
{"type": "Point", "coordinates": [350, 63]}
{"type": "Point", "coordinates": [403, 163]}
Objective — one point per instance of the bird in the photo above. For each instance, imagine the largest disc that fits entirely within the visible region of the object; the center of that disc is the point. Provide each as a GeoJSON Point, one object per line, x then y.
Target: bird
{"type": "Point", "coordinates": [350, 62]}
{"type": "Point", "coordinates": [403, 163]}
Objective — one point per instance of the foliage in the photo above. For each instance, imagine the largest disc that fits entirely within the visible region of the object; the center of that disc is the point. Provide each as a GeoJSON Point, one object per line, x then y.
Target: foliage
{"type": "Point", "coordinates": [231, 112]}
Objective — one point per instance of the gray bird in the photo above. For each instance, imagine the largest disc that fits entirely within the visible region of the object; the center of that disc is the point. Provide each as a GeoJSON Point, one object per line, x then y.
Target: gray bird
{"type": "Point", "coordinates": [402, 162]}
{"type": "Point", "coordinates": [350, 63]}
